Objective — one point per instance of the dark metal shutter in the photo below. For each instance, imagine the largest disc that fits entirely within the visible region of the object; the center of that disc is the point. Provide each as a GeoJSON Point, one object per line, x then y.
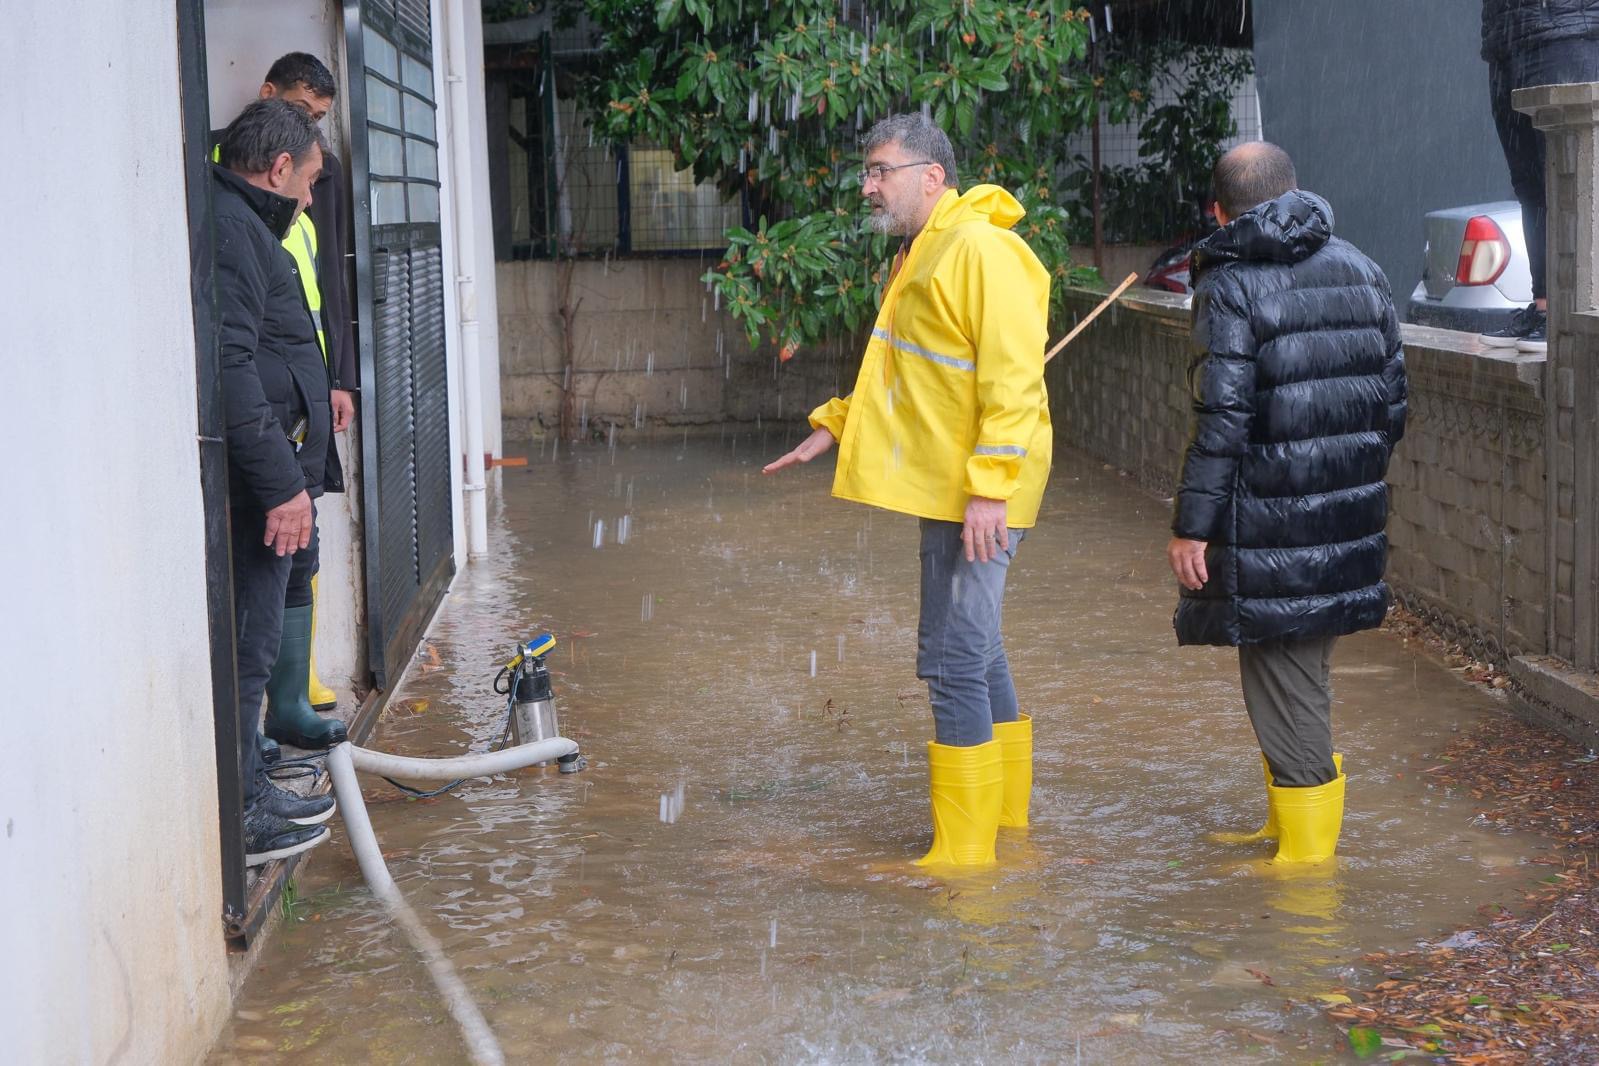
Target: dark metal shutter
{"type": "Point", "coordinates": [400, 288]}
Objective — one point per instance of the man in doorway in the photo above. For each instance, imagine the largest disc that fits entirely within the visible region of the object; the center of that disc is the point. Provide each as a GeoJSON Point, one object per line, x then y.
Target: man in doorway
{"type": "Point", "coordinates": [1298, 388]}
{"type": "Point", "coordinates": [279, 426]}
{"type": "Point", "coordinates": [1533, 42]}
{"type": "Point", "coordinates": [316, 241]}
{"type": "Point", "coordinates": [949, 422]}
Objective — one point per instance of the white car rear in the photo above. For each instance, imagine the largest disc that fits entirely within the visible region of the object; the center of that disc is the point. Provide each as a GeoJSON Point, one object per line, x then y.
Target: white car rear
{"type": "Point", "coordinates": [1476, 273]}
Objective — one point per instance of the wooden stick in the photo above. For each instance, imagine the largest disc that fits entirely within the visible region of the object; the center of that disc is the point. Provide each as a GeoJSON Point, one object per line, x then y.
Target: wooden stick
{"type": "Point", "coordinates": [1106, 302]}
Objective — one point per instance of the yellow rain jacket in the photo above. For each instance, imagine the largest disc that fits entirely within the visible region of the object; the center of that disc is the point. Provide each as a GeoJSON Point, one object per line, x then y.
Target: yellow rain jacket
{"type": "Point", "coordinates": [950, 400]}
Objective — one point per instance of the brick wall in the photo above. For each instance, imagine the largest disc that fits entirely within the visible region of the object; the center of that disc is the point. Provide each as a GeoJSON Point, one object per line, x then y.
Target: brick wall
{"type": "Point", "coordinates": [1468, 511]}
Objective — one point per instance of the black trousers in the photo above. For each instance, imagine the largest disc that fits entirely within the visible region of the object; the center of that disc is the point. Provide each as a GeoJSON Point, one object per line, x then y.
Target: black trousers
{"type": "Point", "coordinates": [307, 561]}
{"type": "Point", "coordinates": [1556, 63]}
{"type": "Point", "coordinates": [259, 580]}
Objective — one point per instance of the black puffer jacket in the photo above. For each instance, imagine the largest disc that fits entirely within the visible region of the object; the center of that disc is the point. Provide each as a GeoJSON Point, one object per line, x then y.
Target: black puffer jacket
{"type": "Point", "coordinates": [272, 368]}
{"type": "Point", "coordinates": [1299, 399]}
{"type": "Point", "coordinates": [1516, 25]}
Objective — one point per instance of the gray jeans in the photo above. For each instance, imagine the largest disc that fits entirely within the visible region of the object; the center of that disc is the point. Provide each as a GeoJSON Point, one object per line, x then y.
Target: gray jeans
{"type": "Point", "coordinates": [1288, 694]}
{"type": "Point", "coordinates": [959, 651]}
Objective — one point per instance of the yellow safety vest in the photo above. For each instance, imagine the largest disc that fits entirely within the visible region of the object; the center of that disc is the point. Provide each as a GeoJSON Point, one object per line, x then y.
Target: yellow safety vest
{"type": "Point", "coordinates": [301, 244]}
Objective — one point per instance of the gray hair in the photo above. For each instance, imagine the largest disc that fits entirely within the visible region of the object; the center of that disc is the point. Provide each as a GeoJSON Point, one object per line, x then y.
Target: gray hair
{"type": "Point", "coordinates": [262, 132]}
{"type": "Point", "coordinates": [917, 134]}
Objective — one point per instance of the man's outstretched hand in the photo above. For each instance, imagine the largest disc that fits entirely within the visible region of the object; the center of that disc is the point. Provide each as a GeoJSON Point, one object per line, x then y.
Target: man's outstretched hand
{"type": "Point", "coordinates": [812, 446]}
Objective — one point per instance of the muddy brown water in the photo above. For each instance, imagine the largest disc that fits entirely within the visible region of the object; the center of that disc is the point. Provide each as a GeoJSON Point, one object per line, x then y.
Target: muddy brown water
{"type": "Point", "coordinates": [729, 881]}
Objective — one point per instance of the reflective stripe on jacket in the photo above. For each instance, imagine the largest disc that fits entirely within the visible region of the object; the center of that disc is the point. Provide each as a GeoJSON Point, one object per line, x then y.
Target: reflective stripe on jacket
{"type": "Point", "coordinates": [950, 401]}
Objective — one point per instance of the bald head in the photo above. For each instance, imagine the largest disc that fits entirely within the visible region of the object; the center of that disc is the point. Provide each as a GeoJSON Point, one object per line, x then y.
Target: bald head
{"type": "Point", "coordinates": [1251, 174]}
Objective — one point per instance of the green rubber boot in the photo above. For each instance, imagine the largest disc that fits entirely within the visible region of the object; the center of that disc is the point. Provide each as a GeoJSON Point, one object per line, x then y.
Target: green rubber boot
{"type": "Point", "coordinates": [290, 718]}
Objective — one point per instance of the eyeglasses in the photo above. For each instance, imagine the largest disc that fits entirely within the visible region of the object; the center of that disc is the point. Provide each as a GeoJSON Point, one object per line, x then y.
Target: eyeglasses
{"type": "Point", "coordinates": [878, 171]}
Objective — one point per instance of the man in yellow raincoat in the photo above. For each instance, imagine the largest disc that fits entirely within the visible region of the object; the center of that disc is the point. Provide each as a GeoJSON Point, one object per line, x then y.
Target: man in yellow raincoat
{"type": "Point", "coordinates": [949, 422]}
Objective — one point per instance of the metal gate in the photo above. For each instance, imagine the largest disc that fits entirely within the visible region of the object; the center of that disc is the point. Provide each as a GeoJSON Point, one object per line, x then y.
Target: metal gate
{"type": "Point", "coordinates": [400, 289]}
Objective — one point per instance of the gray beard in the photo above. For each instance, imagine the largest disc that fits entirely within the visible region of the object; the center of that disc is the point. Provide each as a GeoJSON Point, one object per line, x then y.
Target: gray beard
{"type": "Point", "coordinates": [887, 223]}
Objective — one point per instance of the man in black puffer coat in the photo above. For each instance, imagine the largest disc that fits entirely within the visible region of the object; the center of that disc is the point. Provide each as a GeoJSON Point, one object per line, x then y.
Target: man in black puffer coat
{"type": "Point", "coordinates": [1533, 42]}
{"type": "Point", "coordinates": [1299, 399]}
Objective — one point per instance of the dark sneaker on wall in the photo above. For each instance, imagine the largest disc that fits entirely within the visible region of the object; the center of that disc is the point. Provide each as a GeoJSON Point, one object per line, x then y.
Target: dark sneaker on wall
{"type": "Point", "coordinates": [293, 807]}
{"type": "Point", "coordinates": [1538, 339]}
{"type": "Point", "coordinates": [1523, 323]}
{"type": "Point", "coordinates": [268, 837]}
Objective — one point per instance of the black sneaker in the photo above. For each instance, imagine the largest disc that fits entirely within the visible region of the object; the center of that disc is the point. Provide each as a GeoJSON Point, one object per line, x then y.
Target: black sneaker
{"type": "Point", "coordinates": [1523, 323]}
{"type": "Point", "coordinates": [268, 837]}
{"type": "Point", "coordinates": [293, 807]}
{"type": "Point", "coordinates": [1538, 339]}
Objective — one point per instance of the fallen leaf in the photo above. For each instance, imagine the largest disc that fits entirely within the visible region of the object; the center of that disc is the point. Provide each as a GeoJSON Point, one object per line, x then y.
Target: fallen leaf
{"type": "Point", "coordinates": [1263, 977]}
{"type": "Point", "coordinates": [1364, 1042]}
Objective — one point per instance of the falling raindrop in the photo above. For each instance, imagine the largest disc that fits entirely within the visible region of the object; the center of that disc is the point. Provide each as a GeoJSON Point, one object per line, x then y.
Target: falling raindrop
{"type": "Point", "coordinates": [813, 664]}
{"type": "Point", "coordinates": [624, 528]}
{"type": "Point", "coordinates": [599, 533]}
{"type": "Point", "coordinates": [774, 934]}
{"type": "Point", "coordinates": [647, 611]}
{"type": "Point", "coordinates": [841, 647]}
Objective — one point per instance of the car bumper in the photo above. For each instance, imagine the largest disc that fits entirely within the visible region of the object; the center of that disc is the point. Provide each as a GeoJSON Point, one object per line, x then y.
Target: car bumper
{"type": "Point", "coordinates": [1465, 319]}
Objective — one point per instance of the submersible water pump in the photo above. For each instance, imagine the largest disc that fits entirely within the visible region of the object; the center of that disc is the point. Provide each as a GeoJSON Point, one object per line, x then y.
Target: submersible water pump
{"type": "Point", "coordinates": [533, 701]}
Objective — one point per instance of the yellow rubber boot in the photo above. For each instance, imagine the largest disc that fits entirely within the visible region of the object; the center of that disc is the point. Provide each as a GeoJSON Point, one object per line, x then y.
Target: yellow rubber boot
{"type": "Point", "coordinates": [1269, 830]}
{"type": "Point", "coordinates": [1016, 749]}
{"type": "Point", "coordinates": [967, 787]}
{"type": "Point", "coordinates": [322, 697]}
{"type": "Point", "coordinates": [1308, 820]}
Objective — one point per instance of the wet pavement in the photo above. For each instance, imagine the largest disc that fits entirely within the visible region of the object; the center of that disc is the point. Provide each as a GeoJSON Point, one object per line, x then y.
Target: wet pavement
{"type": "Point", "coordinates": [730, 880]}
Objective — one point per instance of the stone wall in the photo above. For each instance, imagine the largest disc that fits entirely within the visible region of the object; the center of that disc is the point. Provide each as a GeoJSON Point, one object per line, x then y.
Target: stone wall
{"type": "Point", "coordinates": [651, 348]}
{"type": "Point", "coordinates": [1467, 524]}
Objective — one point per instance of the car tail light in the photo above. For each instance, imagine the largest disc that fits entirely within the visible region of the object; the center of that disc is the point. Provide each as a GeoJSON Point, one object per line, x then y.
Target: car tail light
{"type": "Point", "coordinates": [1484, 253]}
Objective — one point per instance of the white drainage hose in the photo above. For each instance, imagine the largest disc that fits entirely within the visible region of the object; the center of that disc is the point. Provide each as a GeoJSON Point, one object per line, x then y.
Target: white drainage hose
{"type": "Point", "coordinates": [343, 761]}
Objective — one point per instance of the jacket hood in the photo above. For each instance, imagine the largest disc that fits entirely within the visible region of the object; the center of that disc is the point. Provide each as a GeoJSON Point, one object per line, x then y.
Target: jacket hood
{"type": "Point", "coordinates": [276, 212]}
{"type": "Point", "coordinates": [1289, 229]}
{"type": "Point", "coordinates": [987, 203]}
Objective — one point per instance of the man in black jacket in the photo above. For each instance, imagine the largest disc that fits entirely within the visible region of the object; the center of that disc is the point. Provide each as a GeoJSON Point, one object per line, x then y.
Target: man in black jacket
{"type": "Point", "coordinates": [1299, 399]}
{"type": "Point", "coordinates": [279, 425]}
{"type": "Point", "coordinates": [1533, 42]}
{"type": "Point", "coordinates": [294, 693]}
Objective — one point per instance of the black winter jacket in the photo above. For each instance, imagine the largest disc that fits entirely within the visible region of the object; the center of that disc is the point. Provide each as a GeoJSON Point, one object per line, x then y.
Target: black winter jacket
{"type": "Point", "coordinates": [1299, 399]}
{"type": "Point", "coordinates": [272, 368]}
{"type": "Point", "coordinates": [1517, 25]}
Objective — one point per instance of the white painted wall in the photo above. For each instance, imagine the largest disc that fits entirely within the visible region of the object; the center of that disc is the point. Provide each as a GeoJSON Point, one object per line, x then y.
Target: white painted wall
{"type": "Point", "coordinates": [243, 38]}
{"type": "Point", "coordinates": [111, 945]}
{"type": "Point", "coordinates": [487, 303]}
{"type": "Point", "coordinates": [452, 303]}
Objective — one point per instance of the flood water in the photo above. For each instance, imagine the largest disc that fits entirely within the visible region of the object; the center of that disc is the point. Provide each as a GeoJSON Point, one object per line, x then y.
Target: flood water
{"type": "Point", "coordinates": [730, 880]}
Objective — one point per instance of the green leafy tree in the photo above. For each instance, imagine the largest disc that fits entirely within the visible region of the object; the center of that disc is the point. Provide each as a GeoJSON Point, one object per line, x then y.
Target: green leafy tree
{"type": "Point", "coordinates": [1167, 193]}
{"type": "Point", "coordinates": [770, 100]}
